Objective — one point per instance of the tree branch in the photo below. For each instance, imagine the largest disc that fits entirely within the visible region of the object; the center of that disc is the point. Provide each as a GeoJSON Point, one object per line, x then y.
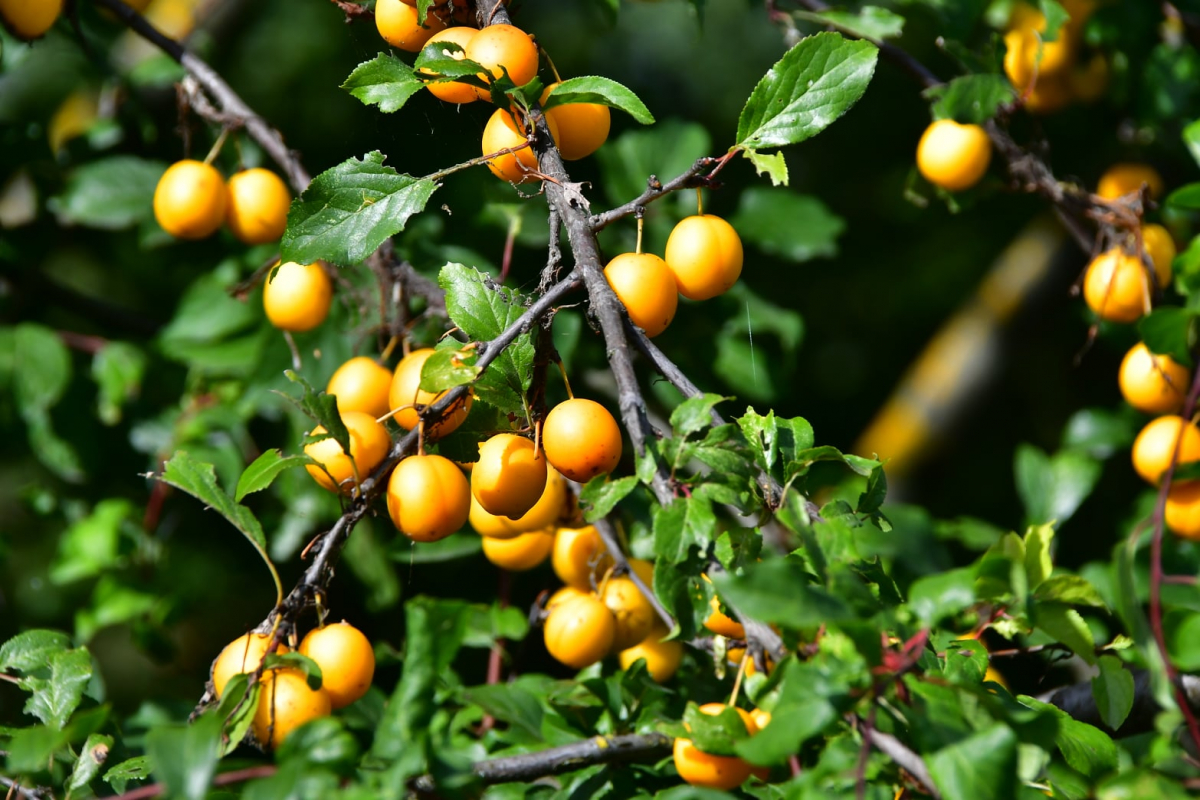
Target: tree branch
{"type": "Point", "coordinates": [230, 105]}
{"type": "Point", "coordinates": [566, 758]}
{"type": "Point", "coordinates": [912, 763]}
{"type": "Point", "coordinates": [609, 536]}
{"type": "Point", "coordinates": [690, 179]}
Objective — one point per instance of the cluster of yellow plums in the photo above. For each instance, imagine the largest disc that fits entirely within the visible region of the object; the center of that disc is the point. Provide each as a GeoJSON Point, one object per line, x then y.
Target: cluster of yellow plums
{"type": "Point", "coordinates": [192, 200]}
{"type": "Point", "coordinates": [577, 128]}
{"type": "Point", "coordinates": [703, 259]}
{"type": "Point", "coordinates": [347, 663]}
{"type": "Point", "coordinates": [516, 485]}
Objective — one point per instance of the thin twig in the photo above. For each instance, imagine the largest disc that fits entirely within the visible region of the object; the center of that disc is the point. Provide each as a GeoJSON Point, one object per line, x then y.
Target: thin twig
{"type": "Point", "coordinates": [609, 536]}
{"type": "Point", "coordinates": [908, 760]}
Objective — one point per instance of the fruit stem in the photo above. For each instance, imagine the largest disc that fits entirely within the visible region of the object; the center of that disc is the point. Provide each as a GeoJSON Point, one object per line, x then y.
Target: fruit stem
{"type": "Point", "coordinates": [604, 581]}
{"type": "Point", "coordinates": [420, 436]}
{"type": "Point", "coordinates": [737, 682]}
{"type": "Point", "coordinates": [387, 351]}
{"type": "Point", "coordinates": [699, 201]}
{"type": "Point", "coordinates": [640, 223]}
{"type": "Point", "coordinates": [291, 343]}
{"type": "Point", "coordinates": [550, 61]}
{"type": "Point", "coordinates": [563, 371]}
{"type": "Point", "coordinates": [394, 412]}
{"type": "Point", "coordinates": [216, 148]}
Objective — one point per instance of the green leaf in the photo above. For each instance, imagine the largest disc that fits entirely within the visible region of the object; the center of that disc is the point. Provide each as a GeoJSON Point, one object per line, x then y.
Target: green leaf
{"type": "Point", "coordinates": [1065, 625]}
{"type": "Point", "coordinates": [111, 193]}
{"type": "Point", "coordinates": [981, 767]}
{"type": "Point", "coordinates": [92, 545]}
{"type": "Point", "coordinates": [686, 523]}
{"type": "Point", "coordinates": [1087, 749]}
{"type": "Point", "coordinates": [1053, 488]}
{"type": "Point", "coordinates": [1191, 138]}
{"type": "Point", "coordinates": [200, 481]}
{"type": "Point", "coordinates": [131, 769]}
{"type": "Point", "coordinates": [1038, 564]}
{"type": "Point", "coordinates": [384, 81]}
{"type": "Point", "coordinates": [601, 495]}
{"type": "Point", "coordinates": [512, 704]}
{"type": "Point", "coordinates": [296, 661]}
{"type": "Point", "coordinates": [91, 758]}
{"type": "Point", "coordinates": [694, 414]}
{"type": "Point", "coordinates": [439, 59]}
{"type": "Point", "coordinates": [56, 697]}
{"type": "Point", "coordinates": [117, 369]}
{"type": "Point", "coordinates": [594, 89]}
{"type": "Point", "coordinates": [483, 309]}
{"type": "Point", "coordinates": [485, 624]}
{"type": "Point", "coordinates": [966, 662]}
{"type": "Point", "coordinates": [781, 591]}
{"type": "Point", "coordinates": [239, 702]}
{"type": "Point", "coordinates": [1112, 689]}
{"type": "Point", "coordinates": [41, 368]}
{"type": "Point", "coordinates": [870, 22]}
{"type": "Point", "coordinates": [322, 408]}
{"type": "Point", "coordinates": [1070, 589]}
{"type": "Point", "coordinates": [814, 83]}
{"type": "Point", "coordinates": [791, 726]}
{"type": "Point", "coordinates": [1099, 432]}
{"type": "Point", "coordinates": [348, 211]}
{"type": "Point", "coordinates": [32, 650]}
{"type": "Point", "coordinates": [1170, 332]}
{"type": "Point", "coordinates": [773, 165]}
{"type": "Point", "coordinates": [787, 224]}
{"type": "Point", "coordinates": [742, 359]}
{"type": "Point", "coordinates": [263, 472]}
{"type": "Point", "coordinates": [935, 597]}
{"type": "Point", "coordinates": [185, 757]}
{"type": "Point", "coordinates": [367, 558]}
{"type": "Point", "coordinates": [970, 99]}
{"type": "Point", "coordinates": [1185, 198]}
{"type": "Point", "coordinates": [448, 367]}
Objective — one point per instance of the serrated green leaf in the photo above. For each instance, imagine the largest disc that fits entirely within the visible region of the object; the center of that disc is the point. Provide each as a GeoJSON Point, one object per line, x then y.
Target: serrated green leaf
{"type": "Point", "coordinates": [694, 414]}
{"type": "Point", "coordinates": [200, 481]}
{"type": "Point", "coordinates": [716, 734]}
{"type": "Point", "coordinates": [384, 81]}
{"type": "Point", "coordinates": [1038, 564]}
{"type": "Point", "coordinates": [791, 725]}
{"type": "Point", "coordinates": [111, 194]}
{"type": "Point", "coordinates": [601, 495]}
{"type": "Point", "coordinates": [814, 83]}
{"type": "Point", "coordinates": [131, 769]}
{"type": "Point", "coordinates": [438, 60]}
{"type": "Point", "coordinates": [603, 91]}
{"type": "Point", "coordinates": [773, 165]}
{"type": "Point", "coordinates": [239, 701]}
{"type": "Point", "coordinates": [682, 525]}
{"type": "Point", "coordinates": [264, 470]}
{"type": "Point", "coordinates": [510, 703]}
{"type": "Point", "coordinates": [1070, 589]}
{"type": "Point", "coordinates": [782, 592]}
{"type": "Point", "coordinates": [56, 697]}
{"type": "Point", "coordinates": [1113, 690]}
{"type": "Point", "coordinates": [970, 99]}
{"type": "Point", "coordinates": [92, 756]}
{"type": "Point", "coordinates": [348, 211]}
{"type": "Point", "coordinates": [448, 367]}
{"type": "Point", "coordinates": [32, 650]}
{"type": "Point", "coordinates": [1086, 748]}
{"type": "Point", "coordinates": [934, 597]}
{"type": "Point", "coordinates": [296, 661]}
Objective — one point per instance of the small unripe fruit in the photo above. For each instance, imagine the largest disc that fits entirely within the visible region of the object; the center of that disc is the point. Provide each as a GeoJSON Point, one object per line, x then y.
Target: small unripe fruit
{"type": "Point", "coordinates": [504, 46]}
{"type": "Point", "coordinates": [953, 156]}
{"type": "Point", "coordinates": [453, 91]}
{"type": "Point", "coordinates": [361, 384]}
{"type": "Point", "coordinates": [257, 207]}
{"type": "Point", "coordinates": [285, 703]}
{"type": "Point", "coordinates": [509, 476]}
{"type": "Point", "coordinates": [1156, 445]}
{"type": "Point", "coordinates": [646, 287]}
{"type": "Point", "coordinates": [398, 24]}
{"type": "Point", "coordinates": [520, 553]}
{"type": "Point", "coordinates": [428, 498]}
{"type": "Point", "coordinates": [579, 631]}
{"type": "Point", "coordinates": [406, 391]}
{"type": "Point", "coordinates": [346, 659]}
{"type": "Point", "coordinates": [297, 297]}
{"type": "Point", "coordinates": [704, 253]}
{"type": "Point", "coordinates": [1153, 384]}
{"type": "Point", "coordinates": [369, 444]}
{"type": "Point", "coordinates": [1116, 286]}
{"type": "Point", "coordinates": [581, 439]}
{"type": "Point", "coordinates": [242, 655]}
{"type": "Point", "coordinates": [189, 200]}
{"type": "Point", "coordinates": [582, 127]}
{"type": "Point", "coordinates": [1121, 179]}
